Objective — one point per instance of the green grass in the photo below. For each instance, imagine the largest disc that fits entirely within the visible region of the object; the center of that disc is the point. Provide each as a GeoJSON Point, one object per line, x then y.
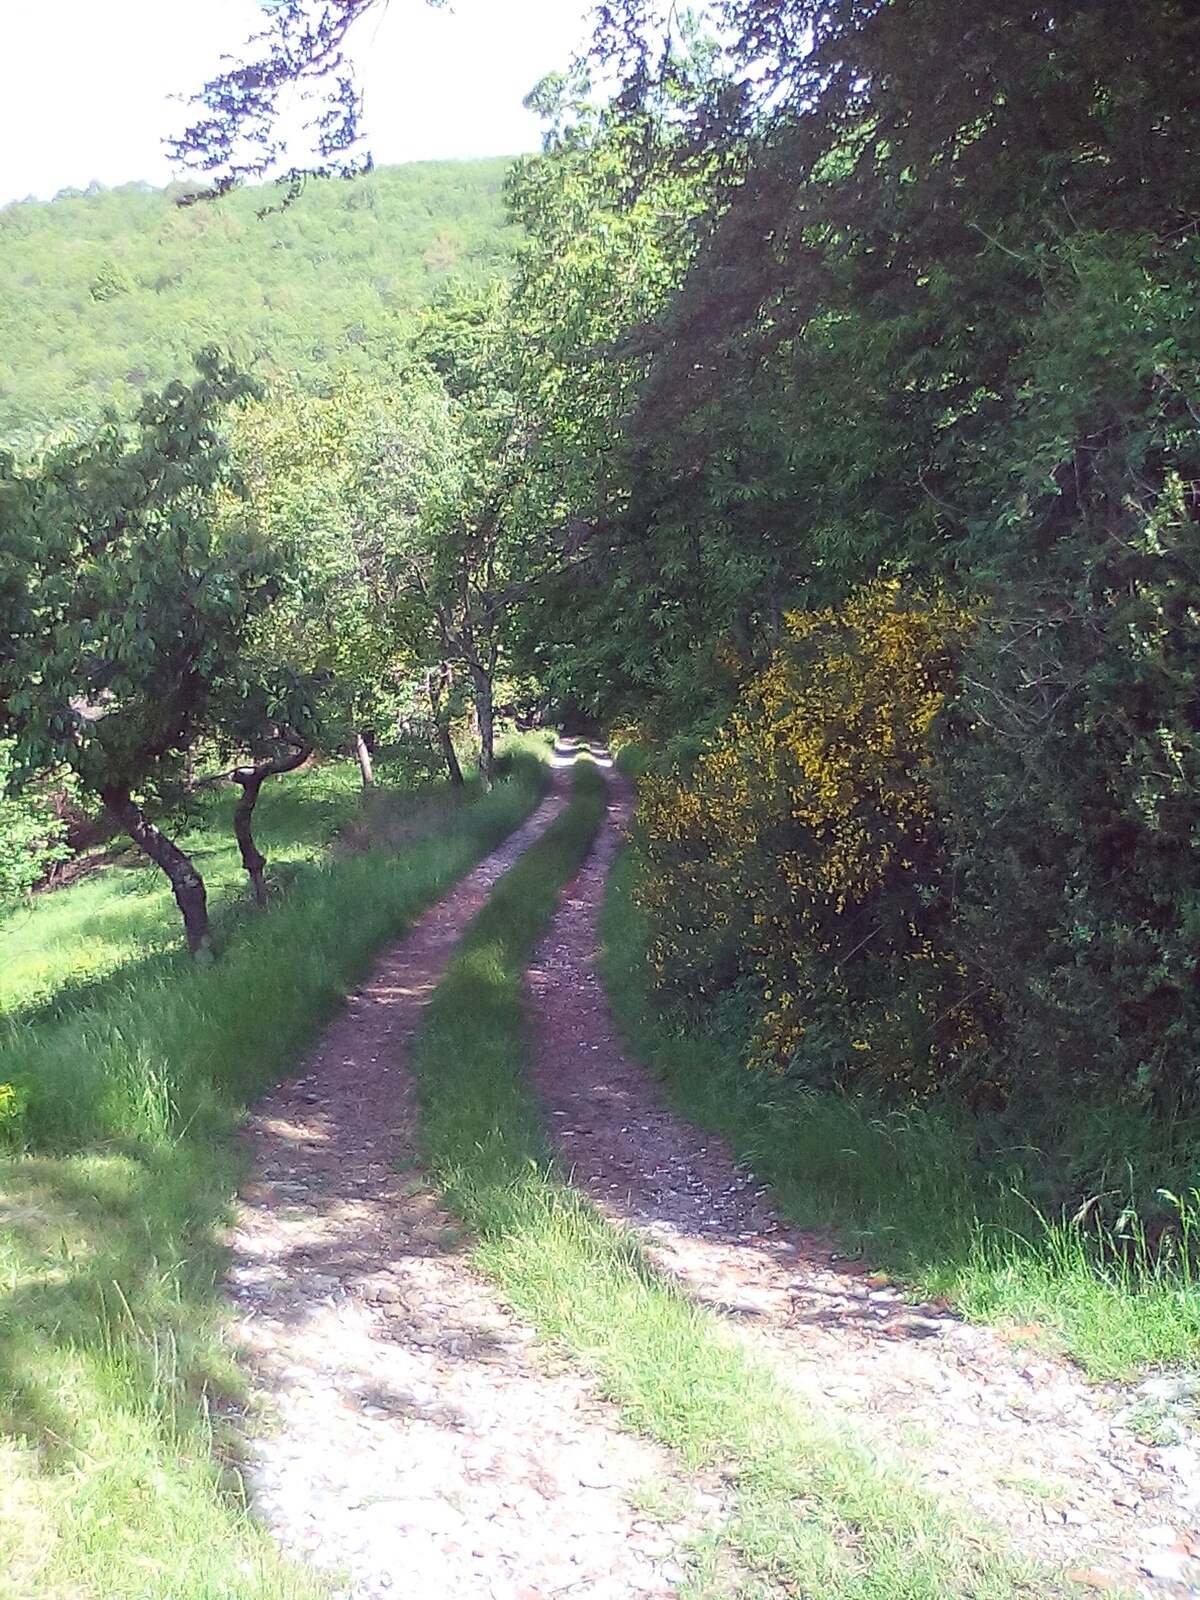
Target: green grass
{"type": "Point", "coordinates": [908, 1190]}
{"type": "Point", "coordinates": [812, 1509]}
{"type": "Point", "coordinates": [113, 1370]}
{"type": "Point", "coordinates": [61, 947]}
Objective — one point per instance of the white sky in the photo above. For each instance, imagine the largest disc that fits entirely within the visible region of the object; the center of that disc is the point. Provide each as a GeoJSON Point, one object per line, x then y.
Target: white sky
{"type": "Point", "coordinates": [86, 85]}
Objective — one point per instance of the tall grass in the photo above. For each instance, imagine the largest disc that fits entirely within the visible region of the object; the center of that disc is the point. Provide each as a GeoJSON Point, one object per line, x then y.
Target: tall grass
{"type": "Point", "coordinates": [114, 1377]}
{"type": "Point", "coordinates": [813, 1514]}
{"type": "Point", "coordinates": [918, 1192]}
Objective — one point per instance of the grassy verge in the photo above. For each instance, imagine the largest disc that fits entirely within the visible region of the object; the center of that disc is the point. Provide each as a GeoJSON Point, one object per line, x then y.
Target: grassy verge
{"type": "Point", "coordinates": [905, 1189]}
{"type": "Point", "coordinates": [110, 1222]}
{"type": "Point", "coordinates": [63, 947]}
{"type": "Point", "coordinates": [814, 1515]}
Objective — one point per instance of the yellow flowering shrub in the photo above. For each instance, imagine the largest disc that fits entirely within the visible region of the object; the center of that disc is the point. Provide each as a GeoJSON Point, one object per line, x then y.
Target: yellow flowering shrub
{"type": "Point", "coordinates": [797, 864]}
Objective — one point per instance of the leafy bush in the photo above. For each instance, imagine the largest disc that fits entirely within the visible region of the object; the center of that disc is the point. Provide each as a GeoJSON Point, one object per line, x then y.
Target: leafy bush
{"type": "Point", "coordinates": [1075, 854]}
{"type": "Point", "coordinates": [32, 838]}
{"type": "Point", "coordinates": [1069, 785]}
{"type": "Point", "coordinates": [1040, 950]}
{"type": "Point", "coordinates": [796, 868]}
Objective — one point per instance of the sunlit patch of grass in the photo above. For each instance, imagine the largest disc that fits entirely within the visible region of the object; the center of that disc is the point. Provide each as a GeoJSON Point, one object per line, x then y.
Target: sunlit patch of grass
{"type": "Point", "coordinates": [108, 1357]}
{"type": "Point", "coordinates": [810, 1509]}
{"type": "Point", "coordinates": [113, 1365]}
{"type": "Point", "coordinates": [905, 1189]}
{"type": "Point", "coordinates": [1116, 1306]}
{"type": "Point", "coordinates": [62, 943]}
{"type": "Point", "coordinates": [26, 1526]}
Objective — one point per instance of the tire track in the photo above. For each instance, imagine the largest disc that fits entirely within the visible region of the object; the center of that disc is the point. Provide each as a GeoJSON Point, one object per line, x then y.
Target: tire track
{"type": "Point", "coordinates": [407, 1435]}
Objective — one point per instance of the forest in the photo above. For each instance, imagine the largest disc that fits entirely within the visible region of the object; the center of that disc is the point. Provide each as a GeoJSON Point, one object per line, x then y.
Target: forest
{"type": "Point", "coordinates": [817, 418]}
{"type": "Point", "coordinates": [108, 293]}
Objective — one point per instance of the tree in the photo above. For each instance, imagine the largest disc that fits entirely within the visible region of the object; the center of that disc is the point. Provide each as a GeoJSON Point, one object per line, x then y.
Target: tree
{"type": "Point", "coordinates": [127, 602]}
{"type": "Point", "coordinates": [236, 140]}
{"type": "Point", "coordinates": [443, 490]}
{"type": "Point", "coordinates": [365, 489]}
{"type": "Point", "coordinates": [301, 458]}
{"type": "Point", "coordinates": [274, 725]}
{"type": "Point", "coordinates": [611, 210]}
{"type": "Point", "coordinates": [440, 688]}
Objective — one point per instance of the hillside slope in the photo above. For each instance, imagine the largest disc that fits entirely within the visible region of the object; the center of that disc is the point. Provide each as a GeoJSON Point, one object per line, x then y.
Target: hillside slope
{"type": "Point", "coordinates": [106, 292]}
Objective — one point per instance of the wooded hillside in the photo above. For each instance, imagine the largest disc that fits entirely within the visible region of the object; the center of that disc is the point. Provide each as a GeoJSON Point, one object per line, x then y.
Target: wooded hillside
{"type": "Point", "coordinates": [107, 293]}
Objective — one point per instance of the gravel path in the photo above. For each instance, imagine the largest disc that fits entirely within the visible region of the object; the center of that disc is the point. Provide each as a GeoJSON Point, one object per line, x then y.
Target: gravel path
{"type": "Point", "coordinates": [409, 1435]}
{"type": "Point", "coordinates": [1021, 1439]}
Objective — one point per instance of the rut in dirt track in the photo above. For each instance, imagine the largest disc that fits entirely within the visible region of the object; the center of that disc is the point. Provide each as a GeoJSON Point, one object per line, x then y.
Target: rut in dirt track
{"type": "Point", "coordinates": [1019, 1439]}
{"type": "Point", "coordinates": [406, 1431]}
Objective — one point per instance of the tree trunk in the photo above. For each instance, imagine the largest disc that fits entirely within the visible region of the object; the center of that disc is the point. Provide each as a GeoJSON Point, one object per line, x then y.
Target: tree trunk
{"type": "Point", "coordinates": [253, 859]}
{"type": "Point", "coordinates": [481, 684]}
{"type": "Point", "coordinates": [450, 756]}
{"type": "Point", "coordinates": [251, 780]}
{"type": "Point", "coordinates": [363, 752]}
{"type": "Point", "coordinates": [439, 704]}
{"type": "Point", "coordinates": [186, 883]}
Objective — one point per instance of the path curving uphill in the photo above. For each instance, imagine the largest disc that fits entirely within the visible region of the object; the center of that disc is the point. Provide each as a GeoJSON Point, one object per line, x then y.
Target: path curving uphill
{"type": "Point", "coordinates": [1019, 1440]}
{"type": "Point", "coordinates": [408, 1436]}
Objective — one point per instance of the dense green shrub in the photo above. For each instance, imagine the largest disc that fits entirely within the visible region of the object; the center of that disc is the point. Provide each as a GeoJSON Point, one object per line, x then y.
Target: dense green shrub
{"type": "Point", "coordinates": [1072, 785]}
{"type": "Point", "coordinates": [1058, 877]}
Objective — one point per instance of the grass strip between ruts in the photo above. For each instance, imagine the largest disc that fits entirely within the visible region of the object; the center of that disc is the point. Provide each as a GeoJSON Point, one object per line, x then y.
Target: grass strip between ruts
{"type": "Point", "coordinates": [111, 1232]}
{"type": "Point", "coordinates": [813, 1512]}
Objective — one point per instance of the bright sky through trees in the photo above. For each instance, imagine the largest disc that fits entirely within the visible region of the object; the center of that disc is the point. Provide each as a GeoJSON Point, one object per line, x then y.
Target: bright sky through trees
{"type": "Point", "coordinates": [85, 88]}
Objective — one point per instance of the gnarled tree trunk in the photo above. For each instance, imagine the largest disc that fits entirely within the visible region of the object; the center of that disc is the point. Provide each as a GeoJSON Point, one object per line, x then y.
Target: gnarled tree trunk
{"type": "Point", "coordinates": [253, 859]}
{"type": "Point", "coordinates": [251, 779]}
{"type": "Point", "coordinates": [186, 883]}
